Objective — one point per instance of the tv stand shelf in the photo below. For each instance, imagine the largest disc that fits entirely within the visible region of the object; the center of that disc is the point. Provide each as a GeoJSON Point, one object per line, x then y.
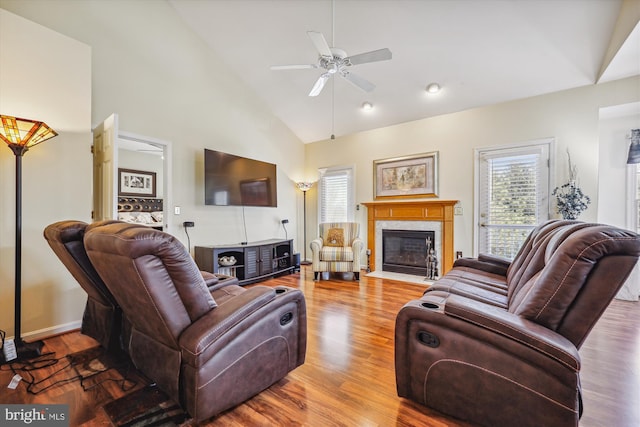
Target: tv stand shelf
{"type": "Point", "coordinates": [255, 261]}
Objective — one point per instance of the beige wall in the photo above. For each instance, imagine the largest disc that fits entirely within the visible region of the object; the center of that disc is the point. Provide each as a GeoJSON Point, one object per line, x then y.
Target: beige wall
{"type": "Point", "coordinates": [614, 129]}
{"type": "Point", "coordinates": [138, 60]}
{"type": "Point", "coordinates": [570, 117]}
{"type": "Point", "coordinates": [165, 83]}
{"type": "Point", "coordinates": [45, 76]}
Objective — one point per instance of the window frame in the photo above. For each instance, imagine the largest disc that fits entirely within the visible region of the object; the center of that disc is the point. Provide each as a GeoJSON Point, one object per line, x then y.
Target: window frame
{"type": "Point", "coordinates": [548, 143]}
{"type": "Point", "coordinates": [335, 170]}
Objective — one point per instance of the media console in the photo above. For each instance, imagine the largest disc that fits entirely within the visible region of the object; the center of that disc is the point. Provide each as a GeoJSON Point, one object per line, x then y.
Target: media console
{"type": "Point", "coordinates": [254, 261]}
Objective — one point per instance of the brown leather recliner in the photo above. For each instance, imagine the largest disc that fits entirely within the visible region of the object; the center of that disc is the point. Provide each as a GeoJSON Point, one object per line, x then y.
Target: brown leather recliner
{"type": "Point", "coordinates": [209, 350]}
{"type": "Point", "coordinates": [102, 318]}
{"type": "Point", "coordinates": [496, 343]}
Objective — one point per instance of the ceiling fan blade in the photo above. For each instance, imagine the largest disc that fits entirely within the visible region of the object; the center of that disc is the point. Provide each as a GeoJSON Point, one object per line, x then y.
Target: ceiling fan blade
{"type": "Point", "coordinates": [319, 84]}
{"type": "Point", "coordinates": [320, 43]}
{"type": "Point", "coordinates": [363, 84]}
{"type": "Point", "coordinates": [373, 56]}
{"type": "Point", "coordinates": [293, 67]}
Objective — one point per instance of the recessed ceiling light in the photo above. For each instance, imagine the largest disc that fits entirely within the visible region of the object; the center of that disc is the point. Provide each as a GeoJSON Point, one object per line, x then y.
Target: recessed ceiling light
{"type": "Point", "coordinates": [366, 106]}
{"type": "Point", "coordinates": [433, 88]}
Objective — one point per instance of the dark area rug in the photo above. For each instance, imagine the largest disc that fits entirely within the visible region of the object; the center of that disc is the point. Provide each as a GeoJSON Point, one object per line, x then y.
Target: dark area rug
{"type": "Point", "coordinates": [90, 367]}
{"type": "Point", "coordinates": [147, 406]}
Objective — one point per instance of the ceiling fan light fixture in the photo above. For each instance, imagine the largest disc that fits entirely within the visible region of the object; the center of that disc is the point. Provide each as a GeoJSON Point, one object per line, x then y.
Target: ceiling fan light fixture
{"type": "Point", "coordinates": [367, 106]}
{"type": "Point", "coordinates": [433, 88]}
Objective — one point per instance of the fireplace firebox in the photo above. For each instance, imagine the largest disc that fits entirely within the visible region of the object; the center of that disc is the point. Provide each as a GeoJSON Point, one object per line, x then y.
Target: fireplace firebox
{"type": "Point", "coordinates": [405, 251]}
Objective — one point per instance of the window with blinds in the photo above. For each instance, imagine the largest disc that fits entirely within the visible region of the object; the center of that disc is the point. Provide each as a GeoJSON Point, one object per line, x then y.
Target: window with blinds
{"type": "Point", "coordinates": [336, 199]}
{"type": "Point", "coordinates": [513, 196]}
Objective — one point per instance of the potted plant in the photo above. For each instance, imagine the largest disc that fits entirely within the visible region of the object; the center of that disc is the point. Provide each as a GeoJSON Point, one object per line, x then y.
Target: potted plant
{"type": "Point", "coordinates": [570, 200]}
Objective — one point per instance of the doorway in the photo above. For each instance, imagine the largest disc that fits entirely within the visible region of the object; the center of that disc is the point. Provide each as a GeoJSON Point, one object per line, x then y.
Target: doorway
{"type": "Point", "coordinates": [114, 150]}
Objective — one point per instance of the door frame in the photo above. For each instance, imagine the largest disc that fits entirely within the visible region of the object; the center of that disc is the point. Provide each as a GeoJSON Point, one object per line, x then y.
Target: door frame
{"type": "Point", "coordinates": [167, 153]}
{"type": "Point", "coordinates": [550, 141]}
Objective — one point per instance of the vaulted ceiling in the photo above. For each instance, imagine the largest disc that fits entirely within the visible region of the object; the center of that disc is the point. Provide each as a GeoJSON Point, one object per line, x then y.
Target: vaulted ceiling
{"type": "Point", "coordinates": [480, 51]}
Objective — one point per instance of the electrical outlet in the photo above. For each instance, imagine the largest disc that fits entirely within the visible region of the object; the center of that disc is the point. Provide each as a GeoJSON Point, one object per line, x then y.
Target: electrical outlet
{"type": "Point", "coordinates": [285, 221]}
{"type": "Point", "coordinates": [188, 224]}
{"type": "Point", "coordinates": [457, 210]}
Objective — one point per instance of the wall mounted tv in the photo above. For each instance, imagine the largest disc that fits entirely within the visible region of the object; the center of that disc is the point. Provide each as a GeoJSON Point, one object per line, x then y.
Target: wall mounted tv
{"type": "Point", "coordinates": [238, 181]}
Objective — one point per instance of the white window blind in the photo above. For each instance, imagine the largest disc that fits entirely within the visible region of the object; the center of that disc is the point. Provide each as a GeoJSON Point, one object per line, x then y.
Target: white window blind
{"type": "Point", "coordinates": [336, 195]}
{"type": "Point", "coordinates": [513, 187]}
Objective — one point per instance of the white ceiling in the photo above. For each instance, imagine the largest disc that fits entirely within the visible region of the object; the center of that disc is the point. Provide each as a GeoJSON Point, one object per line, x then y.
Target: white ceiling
{"type": "Point", "coordinates": [481, 51]}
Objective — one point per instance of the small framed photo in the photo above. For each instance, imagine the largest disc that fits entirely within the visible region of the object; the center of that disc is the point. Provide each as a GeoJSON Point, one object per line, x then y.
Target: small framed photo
{"type": "Point", "coordinates": [136, 183]}
{"type": "Point", "coordinates": [406, 177]}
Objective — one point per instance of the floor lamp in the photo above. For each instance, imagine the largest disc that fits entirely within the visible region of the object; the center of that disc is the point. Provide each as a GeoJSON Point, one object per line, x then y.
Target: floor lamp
{"type": "Point", "coordinates": [304, 186]}
{"type": "Point", "coordinates": [20, 135]}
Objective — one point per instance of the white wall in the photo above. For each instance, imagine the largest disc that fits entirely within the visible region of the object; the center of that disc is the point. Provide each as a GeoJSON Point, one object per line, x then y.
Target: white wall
{"type": "Point", "coordinates": [165, 83]}
{"type": "Point", "coordinates": [615, 127]}
{"type": "Point", "coordinates": [571, 117]}
{"type": "Point", "coordinates": [44, 76]}
{"type": "Point", "coordinates": [137, 59]}
{"type": "Point", "coordinates": [616, 123]}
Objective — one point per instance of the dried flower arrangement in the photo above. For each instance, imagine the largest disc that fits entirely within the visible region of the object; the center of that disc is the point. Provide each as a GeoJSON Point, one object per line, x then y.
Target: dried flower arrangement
{"type": "Point", "coordinates": [570, 200]}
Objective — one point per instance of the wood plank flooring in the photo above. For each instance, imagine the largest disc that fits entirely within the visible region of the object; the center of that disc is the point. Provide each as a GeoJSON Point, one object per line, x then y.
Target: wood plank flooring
{"type": "Point", "coordinates": [348, 377]}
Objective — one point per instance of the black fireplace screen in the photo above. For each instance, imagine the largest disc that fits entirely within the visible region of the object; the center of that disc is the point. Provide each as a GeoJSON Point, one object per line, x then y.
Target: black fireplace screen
{"type": "Point", "coordinates": [405, 251]}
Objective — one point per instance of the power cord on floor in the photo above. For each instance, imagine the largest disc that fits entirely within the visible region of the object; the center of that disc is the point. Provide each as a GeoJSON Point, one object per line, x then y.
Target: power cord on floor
{"type": "Point", "coordinates": [24, 369]}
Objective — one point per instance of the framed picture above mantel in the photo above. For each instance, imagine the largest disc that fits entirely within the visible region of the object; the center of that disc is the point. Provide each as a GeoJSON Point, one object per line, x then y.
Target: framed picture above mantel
{"type": "Point", "coordinates": [136, 183]}
{"type": "Point", "coordinates": [406, 177]}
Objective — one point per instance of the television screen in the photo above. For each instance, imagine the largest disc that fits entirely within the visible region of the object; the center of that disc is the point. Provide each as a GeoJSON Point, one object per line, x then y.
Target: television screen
{"type": "Point", "coordinates": [238, 181]}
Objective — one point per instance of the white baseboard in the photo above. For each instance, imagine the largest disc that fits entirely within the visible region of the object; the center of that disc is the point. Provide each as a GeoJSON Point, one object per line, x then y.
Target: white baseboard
{"type": "Point", "coordinates": [48, 332]}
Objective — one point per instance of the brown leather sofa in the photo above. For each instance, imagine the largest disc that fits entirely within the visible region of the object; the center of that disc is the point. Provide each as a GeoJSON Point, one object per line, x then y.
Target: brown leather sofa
{"type": "Point", "coordinates": [496, 342]}
{"type": "Point", "coordinates": [102, 319]}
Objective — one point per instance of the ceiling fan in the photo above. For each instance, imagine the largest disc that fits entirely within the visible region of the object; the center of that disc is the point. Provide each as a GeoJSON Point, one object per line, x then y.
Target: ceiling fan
{"type": "Point", "coordinates": [336, 62]}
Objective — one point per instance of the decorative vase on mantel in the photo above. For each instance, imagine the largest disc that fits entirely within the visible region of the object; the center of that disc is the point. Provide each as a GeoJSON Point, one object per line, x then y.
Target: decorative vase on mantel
{"type": "Point", "coordinates": [570, 200]}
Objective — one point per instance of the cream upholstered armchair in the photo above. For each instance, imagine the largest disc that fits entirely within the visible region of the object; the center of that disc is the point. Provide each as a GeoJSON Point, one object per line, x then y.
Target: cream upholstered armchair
{"type": "Point", "coordinates": [338, 249]}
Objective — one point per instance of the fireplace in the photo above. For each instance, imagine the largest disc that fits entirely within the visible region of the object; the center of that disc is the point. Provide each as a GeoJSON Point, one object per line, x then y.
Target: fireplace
{"type": "Point", "coordinates": [420, 215]}
{"type": "Point", "coordinates": [406, 251]}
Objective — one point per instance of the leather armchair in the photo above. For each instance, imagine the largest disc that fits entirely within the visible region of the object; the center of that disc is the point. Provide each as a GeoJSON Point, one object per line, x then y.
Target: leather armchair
{"type": "Point", "coordinates": [503, 349]}
{"type": "Point", "coordinates": [337, 249]}
{"type": "Point", "coordinates": [102, 318]}
{"type": "Point", "coordinates": [208, 350]}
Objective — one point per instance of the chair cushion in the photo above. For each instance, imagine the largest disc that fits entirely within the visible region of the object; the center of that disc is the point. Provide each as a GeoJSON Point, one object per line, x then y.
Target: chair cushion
{"type": "Point", "coordinates": [332, 253]}
{"type": "Point", "coordinates": [334, 237]}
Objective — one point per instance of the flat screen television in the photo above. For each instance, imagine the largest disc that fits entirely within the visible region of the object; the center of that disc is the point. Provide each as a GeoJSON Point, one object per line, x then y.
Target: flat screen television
{"type": "Point", "coordinates": [238, 181]}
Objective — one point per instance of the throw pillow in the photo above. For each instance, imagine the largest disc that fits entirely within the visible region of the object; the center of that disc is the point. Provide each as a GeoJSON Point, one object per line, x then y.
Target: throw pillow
{"type": "Point", "coordinates": [335, 237]}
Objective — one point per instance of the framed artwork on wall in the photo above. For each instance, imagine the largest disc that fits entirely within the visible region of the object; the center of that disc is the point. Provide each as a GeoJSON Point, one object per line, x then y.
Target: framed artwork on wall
{"type": "Point", "coordinates": [136, 183]}
{"type": "Point", "coordinates": [406, 177]}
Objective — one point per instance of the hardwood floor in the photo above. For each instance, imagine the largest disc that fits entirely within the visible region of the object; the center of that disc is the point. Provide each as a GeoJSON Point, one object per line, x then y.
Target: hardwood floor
{"type": "Point", "coordinates": [348, 377]}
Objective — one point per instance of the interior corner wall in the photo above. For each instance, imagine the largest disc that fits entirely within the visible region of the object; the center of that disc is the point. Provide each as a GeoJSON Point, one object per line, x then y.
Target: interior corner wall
{"type": "Point", "coordinates": [44, 76]}
{"type": "Point", "coordinates": [164, 82]}
{"type": "Point", "coordinates": [570, 117]}
{"type": "Point", "coordinates": [614, 147]}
